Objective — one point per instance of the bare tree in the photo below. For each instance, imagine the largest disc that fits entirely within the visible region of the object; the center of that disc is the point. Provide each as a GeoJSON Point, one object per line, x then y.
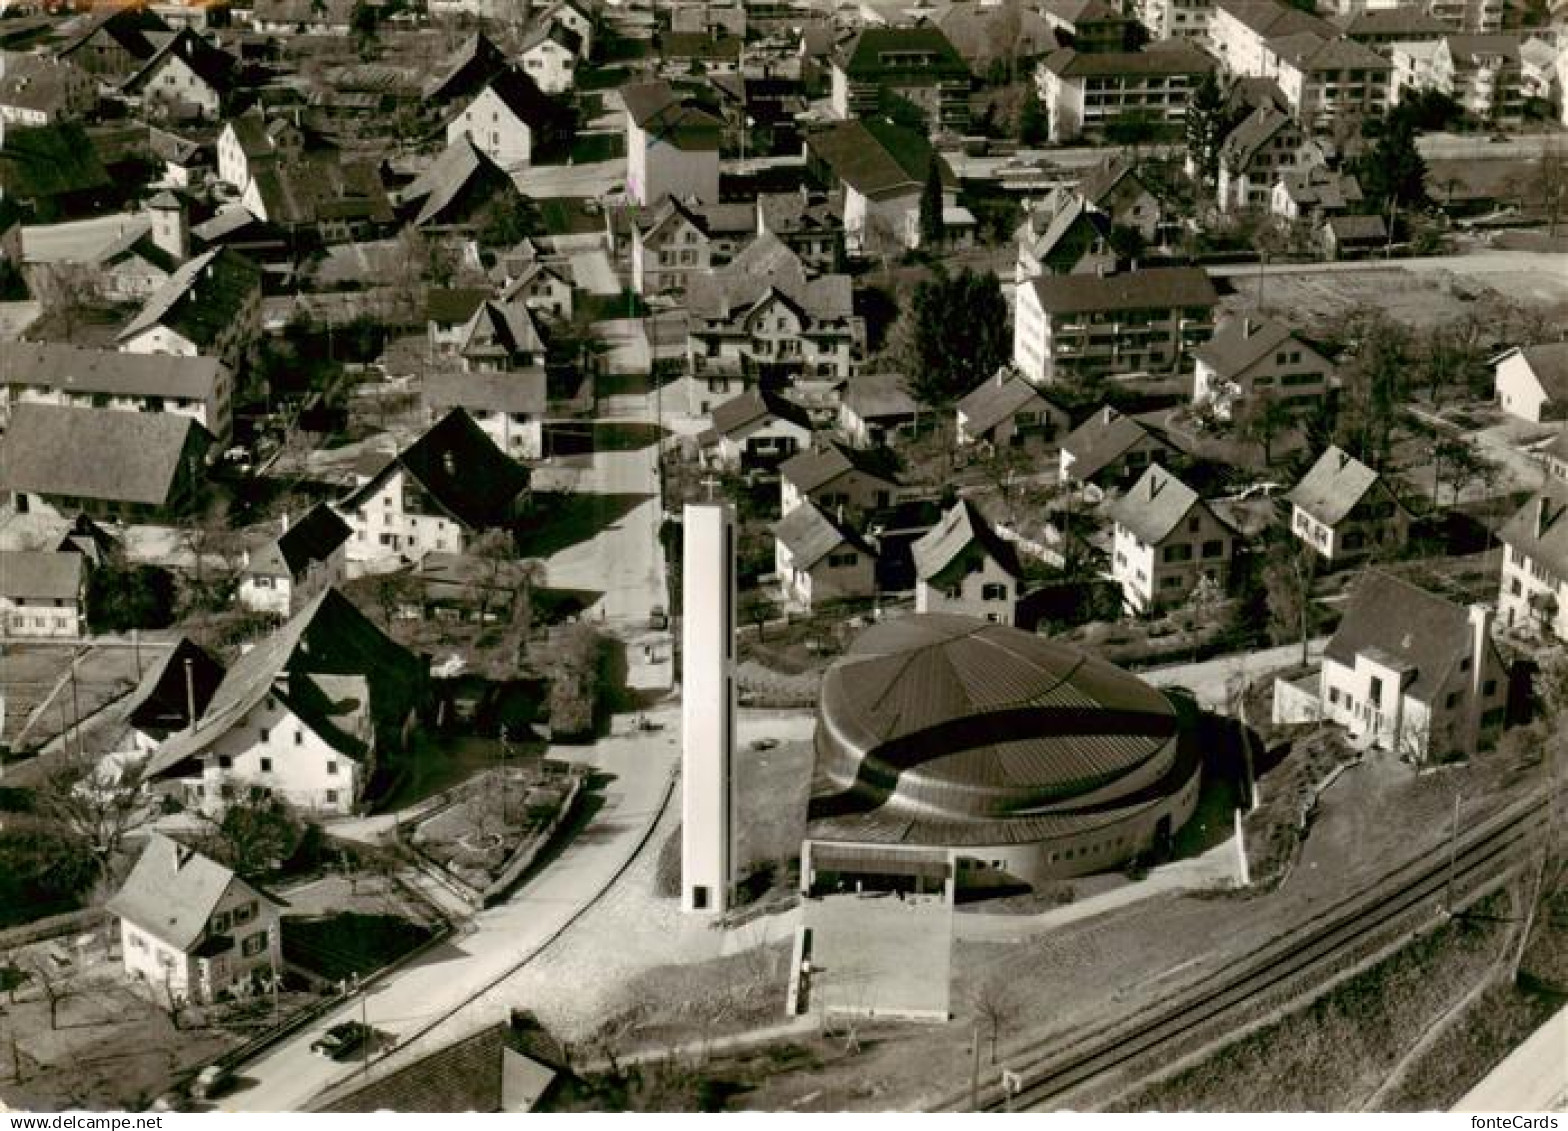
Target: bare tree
{"type": "Point", "coordinates": [995, 1005]}
{"type": "Point", "coordinates": [68, 292]}
{"type": "Point", "coordinates": [97, 801]}
{"type": "Point", "coordinates": [1549, 184]}
{"type": "Point", "coordinates": [1287, 583]}
{"type": "Point", "coordinates": [55, 985]}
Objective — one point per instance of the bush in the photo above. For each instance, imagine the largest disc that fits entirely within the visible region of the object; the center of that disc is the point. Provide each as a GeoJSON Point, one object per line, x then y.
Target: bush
{"type": "Point", "coordinates": [577, 677]}
{"type": "Point", "coordinates": [123, 597]}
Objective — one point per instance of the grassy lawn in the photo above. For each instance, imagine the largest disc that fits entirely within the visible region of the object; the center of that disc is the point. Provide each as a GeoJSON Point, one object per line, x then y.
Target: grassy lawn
{"type": "Point", "coordinates": [590, 148]}
{"type": "Point", "coordinates": [564, 216]}
{"type": "Point", "coordinates": [348, 943]}
{"type": "Point", "coordinates": [439, 763]}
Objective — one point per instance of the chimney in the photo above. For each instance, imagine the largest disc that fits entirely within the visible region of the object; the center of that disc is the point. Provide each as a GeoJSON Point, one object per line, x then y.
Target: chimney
{"type": "Point", "coordinates": [1246, 328]}
{"type": "Point", "coordinates": [1543, 515]}
{"type": "Point", "coordinates": [1110, 414]}
{"type": "Point", "coordinates": [1480, 646]}
{"type": "Point", "coordinates": [283, 521]}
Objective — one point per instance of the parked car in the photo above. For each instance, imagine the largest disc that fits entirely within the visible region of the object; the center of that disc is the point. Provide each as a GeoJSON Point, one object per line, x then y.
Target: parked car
{"type": "Point", "coordinates": [210, 1081]}
{"type": "Point", "coordinates": [341, 1040]}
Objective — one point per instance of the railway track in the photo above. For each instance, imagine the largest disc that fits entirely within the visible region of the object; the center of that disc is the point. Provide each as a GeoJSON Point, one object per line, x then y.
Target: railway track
{"type": "Point", "coordinates": [1049, 1070]}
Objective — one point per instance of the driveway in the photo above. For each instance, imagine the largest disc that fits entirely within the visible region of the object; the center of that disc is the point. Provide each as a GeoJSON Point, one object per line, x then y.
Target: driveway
{"type": "Point", "coordinates": [499, 940]}
{"type": "Point", "coordinates": [1207, 680]}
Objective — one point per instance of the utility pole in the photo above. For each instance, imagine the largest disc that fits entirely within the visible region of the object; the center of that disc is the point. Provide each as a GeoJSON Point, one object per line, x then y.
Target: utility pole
{"type": "Point", "coordinates": [1453, 850]}
{"type": "Point", "coordinates": [76, 705]}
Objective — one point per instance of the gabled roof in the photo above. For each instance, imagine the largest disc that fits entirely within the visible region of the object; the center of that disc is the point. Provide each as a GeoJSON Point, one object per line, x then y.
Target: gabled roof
{"type": "Point", "coordinates": [1378, 23]}
{"type": "Point", "coordinates": [755, 406]}
{"type": "Point", "coordinates": [1076, 213]}
{"type": "Point", "coordinates": [670, 118]}
{"type": "Point", "coordinates": [212, 66]}
{"type": "Point", "coordinates": [878, 396]}
{"type": "Point", "coordinates": [979, 32]}
{"type": "Point", "coordinates": [312, 538]}
{"type": "Point", "coordinates": [136, 29]}
{"type": "Point", "coordinates": [522, 96]}
{"type": "Point", "coordinates": [1467, 51]}
{"type": "Point", "coordinates": [469, 68]}
{"type": "Point", "coordinates": [1334, 485]}
{"type": "Point", "coordinates": [788, 213]}
{"type": "Point", "coordinates": [460, 166]}
{"type": "Point", "coordinates": [1268, 18]}
{"type": "Point", "coordinates": [551, 32]}
{"type": "Point", "coordinates": [1104, 438]}
{"type": "Point", "coordinates": [1105, 178]}
{"type": "Point", "coordinates": [523, 391]}
{"type": "Point", "coordinates": [1156, 288]}
{"type": "Point", "coordinates": [1155, 505]}
{"type": "Point", "coordinates": [45, 162]}
{"type": "Point", "coordinates": [1241, 343]}
{"type": "Point", "coordinates": [1407, 627]}
{"type": "Point", "coordinates": [1182, 59]}
{"type": "Point", "coordinates": [812, 470]}
{"type": "Point", "coordinates": [161, 703]}
{"type": "Point", "coordinates": [879, 53]}
{"type": "Point", "coordinates": [508, 327]}
{"type": "Point", "coordinates": [41, 574]}
{"type": "Point", "coordinates": [767, 265]}
{"type": "Point", "coordinates": [1357, 229]}
{"type": "Point", "coordinates": [326, 188]}
{"type": "Point", "coordinates": [38, 82]}
{"type": "Point", "coordinates": [251, 134]}
{"type": "Point", "coordinates": [461, 470]}
{"type": "Point", "coordinates": [811, 535]}
{"type": "Point", "coordinates": [1548, 362]}
{"type": "Point", "coordinates": [961, 527]}
{"type": "Point", "coordinates": [877, 158]}
{"type": "Point", "coordinates": [57, 365]}
{"type": "Point", "coordinates": [202, 300]}
{"type": "Point", "coordinates": [1256, 130]}
{"type": "Point", "coordinates": [1539, 529]}
{"type": "Point", "coordinates": [1310, 51]}
{"type": "Point", "coordinates": [95, 453]}
{"type": "Point", "coordinates": [172, 892]}
{"type": "Point", "coordinates": [451, 305]}
{"type": "Point", "coordinates": [997, 399]}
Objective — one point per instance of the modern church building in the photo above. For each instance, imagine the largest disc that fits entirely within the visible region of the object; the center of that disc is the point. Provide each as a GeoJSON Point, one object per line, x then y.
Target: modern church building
{"type": "Point", "coordinates": [955, 753]}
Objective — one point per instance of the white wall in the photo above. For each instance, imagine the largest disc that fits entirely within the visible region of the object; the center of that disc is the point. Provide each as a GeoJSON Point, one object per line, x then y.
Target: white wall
{"type": "Point", "coordinates": [707, 707]}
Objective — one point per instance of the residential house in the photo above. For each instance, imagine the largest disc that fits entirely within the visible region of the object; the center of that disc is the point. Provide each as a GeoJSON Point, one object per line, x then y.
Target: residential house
{"type": "Point", "coordinates": [1008, 414]}
{"type": "Point", "coordinates": [500, 337]}
{"type": "Point", "coordinates": [759, 316]}
{"type": "Point", "coordinates": [1410, 672]}
{"type": "Point", "coordinates": [1345, 511]}
{"type": "Point", "coordinates": [132, 466]}
{"type": "Point", "coordinates": [836, 477]}
{"type": "Point", "coordinates": [1555, 455]}
{"type": "Point", "coordinates": [457, 190]}
{"type": "Point", "coordinates": [187, 79]}
{"type": "Point", "coordinates": [1251, 358]}
{"type": "Point", "coordinates": [1084, 93]}
{"type": "Point", "coordinates": [1186, 20]}
{"type": "Point", "coordinates": [1531, 382]}
{"type": "Point", "coordinates": [818, 558]}
{"type": "Point", "coordinates": [191, 930]}
{"type": "Point", "coordinates": [448, 311]}
{"type": "Point", "coordinates": [684, 54]}
{"type": "Point", "coordinates": [302, 17]}
{"type": "Point", "coordinates": [807, 224]}
{"type": "Point", "coordinates": [117, 41]}
{"type": "Point", "coordinates": [467, 71]}
{"type": "Point", "coordinates": [284, 573]}
{"type": "Point", "coordinates": [1240, 32]}
{"type": "Point", "coordinates": [1315, 193]}
{"type": "Point", "coordinates": [321, 200]}
{"type": "Point", "coordinates": [440, 493]}
{"type": "Point", "coordinates": [1483, 73]}
{"type": "Point", "coordinates": [302, 715]}
{"type": "Point", "coordinates": [508, 119]}
{"type": "Point", "coordinates": [542, 287]}
{"type": "Point", "coordinates": [1116, 190]}
{"type": "Point", "coordinates": [1381, 28]}
{"type": "Point", "coordinates": [1110, 448]}
{"type": "Point", "coordinates": [1533, 592]}
{"type": "Point", "coordinates": [181, 682]}
{"type": "Point", "coordinates": [576, 17]}
{"type": "Point", "coordinates": [672, 145]}
{"type": "Point", "coordinates": [991, 37]}
{"type": "Point", "coordinates": [1475, 17]}
{"type": "Point", "coordinates": [211, 306]}
{"type": "Point", "coordinates": [1087, 25]}
{"type": "Point", "coordinates": [757, 430]}
{"type": "Point", "coordinates": [138, 263]}
{"type": "Point", "coordinates": [549, 55]}
{"type": "Point", "coordinates": [43, 594]}
{"type": "Point", "coordinates": [55, 373]}
{"type": "Point", "coordinates": [915, 64]}
{"type": "Point", "coordinates": [1167, 542]}
{"type": "Point", "coordinates": [36, 90]}
{"type": "Point", "coordinates": [1095, 326]}
{"type": "Point", "coordinates": [1268, 144]}
{"type": "Point", "coordinates": [509, 406]}
{"type": "Point", "coordinates": [670, 247]}
{"type": "Point", "coordinates": [875, 409]}
{"type": "Point", "coordinates": [1075, 240]}
{"type": "Point", "coordinates": [882, 169]}
{"type": "Point", "coordinates": [963, 566]}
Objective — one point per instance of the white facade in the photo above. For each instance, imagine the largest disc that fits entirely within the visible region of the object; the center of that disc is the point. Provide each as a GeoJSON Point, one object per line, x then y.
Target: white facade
{"type": "Point", "coordinates": [42, 618]}
{"type": "Point", "coordinates": [1521, 393]}
{"type": "Point", "coordinates": [551, 65]}
{"type": "Point", "coordinates": [1157, 576]}
{"type": "Point", "coordinates": [494, 129]}
{"type": "Point", "coordinates": [175, 83]}
{"type": "Point", "coordinates": [656, 168]}
{"type": "Point", "coordinates": [707, 707]}
{"type": "Point", "coordinates": [233, 166]}
{"type": "Point", "coordinates": [1532, 595]}
{"type": "Point", "coordinates": [985, 590]}
{"type": "Point", "coordinates": [241, 915]}
{"type": "Point", "coordinates": [386, 534]}
{"type": "Point", "coordinates": [285, 595]}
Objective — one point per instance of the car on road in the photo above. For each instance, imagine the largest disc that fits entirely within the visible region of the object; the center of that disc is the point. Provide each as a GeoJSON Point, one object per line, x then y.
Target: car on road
{"type": "Point", "coordinates": [342, 1040]}
{"type": "Point", "coordinates": [210, 1081]}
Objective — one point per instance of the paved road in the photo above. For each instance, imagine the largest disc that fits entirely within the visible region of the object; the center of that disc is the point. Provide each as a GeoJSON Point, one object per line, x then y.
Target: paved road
{"type": "Point", "coordinates": [1533, 1078]}
{"type": "Point", "coordinates": [1207, 680]}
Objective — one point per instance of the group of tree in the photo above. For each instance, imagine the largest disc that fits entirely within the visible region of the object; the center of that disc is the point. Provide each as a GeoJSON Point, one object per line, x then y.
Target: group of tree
{"type": "Point", "coordinates": [951, 336]}
{"type": "Point", "coordinates": [578, 680]}
{"type": "Point", "coordinates": [122, 596]}
{"type": "Point", "coordinates": [1374, 389]}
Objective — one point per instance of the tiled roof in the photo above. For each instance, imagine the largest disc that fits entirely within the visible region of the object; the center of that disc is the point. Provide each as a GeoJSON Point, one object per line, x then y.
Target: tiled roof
{"type": "Point", "coordinates": [36, 574]}
{"type": "Point", "coordinates": [997, 399]}
{"type": "Point", "coordinates": [1241, 343]}
{"type": "Point", "coordinates": [1468, 51]}
{"type": "Point", "coordinates": [1408, 627]}
{"type": "Point", "coordinates": [884, 52]}
{"type": "Point", "coordinates": [172, 892]}
{"type": "Point", "coordinates": [522, 96]}
{"type": "Point", "coordinates": [1257, 129]}
{"type": "Point", "coordinates": [878, 396]}
{"type": "Point", "coordinates": [1549, 363]}
{"type": "Point", "coordinates": [667, 117]}
{"type": "Point", "coordinates": [1357, 229]}
{"type": "Point", "coordinates": [1104, 438]}
{"type": "Point", "coordinates": [323, 189]}
{"type": "Point", "coordinates": [161, 703]}
{"type": "Point", "coordinates": [37, 82]}
{"type": "Point", "coordinates": [202, 300]}
{"type": "Point", "coordinates": [469, 68]}
{"type": "Point", "coordinates": [812, 470]}
{"type": "Point", "coordinates": [962, 526]}
{"type": "Point", "coordinates": [313, 537]}
{"type": "Point", "coordinates": [811, 535]}
{"type": "Point", "coordinates": [1155, 505]}
{"type": "Point", "coordinates": [752, 407]}
{"type": "Point", "coordinates": [1271, 18]}
{"type": "Point", "coordinates": [214, 67]}
{"type": "Point", "coordinates": [877, 158]}
{"type": "Point", "coordinates": [1174, 60]}
{"type": "Point", "coordinates": [509, 327]}
{"type": "Point", "coordinates": [94, 453]}
{"type": "Point", "coordinates": [1334, 485]}
{"type": "Point", "coordinates": [440, 187]}
{"type": "Point", "coordinates": [1539, 529]}
{"type": "Point", "coordinates": [75, 369]}
{"type": "Point", "coordinates": [1157, 288]}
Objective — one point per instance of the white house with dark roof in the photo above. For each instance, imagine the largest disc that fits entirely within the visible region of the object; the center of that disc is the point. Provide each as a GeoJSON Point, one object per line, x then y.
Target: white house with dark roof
{"type": "Point", "coordinates": [549, 55]}
{"type": "Point", "coordinates": [818, 558]}
{"type": "Point", "coordinates": [1084, 92]}
{"type": "Point", "coordinates": [1167, 541]}
{"type": "Point", "coordinates": [1266, 144]}
{"type": "Point", "coordinates": [1407, 671]}
{"type": "Point", "coordinates": [187, 78]}
{"type": "Point", "coordinates": [875, 408]}
{"type": "Point", "coordinates": [509, 406]}
{"type": "Point", "coordinates": [1533, 592]}
{"type": "Point", "coordinates": [1253, 358]}
{"type": "Point", "coordinates": [1532, 381]}
{"type": "Point", "coordinates": [1111, 447]}
{"type": "Point", "coordinates": [1073, 240]}
{"type": "Point", "coordinates": [56, 373]}
{"type": "Point", "coordinates": [833, 477]}
{"type": "Point", "coordinates": [210, 306]}
{"type": "Point", "coordinates": [881, 169]}
{"type": "Point", "coordinates": [1092, 325]}
{"type": "Point", "coordinates": [541, 286]}
{"type": "Point", "coordinates": [190, 928]}
{"type": "Point", "coordinates": [1010, 414]}
{"type": "Point", "coordinates": [449, 486]}
{"type": "Point", "coordinates": [456, 189]}
{"type": "Point", "coordinates": [507, 119]}
{"type": "Point", "coordinates": [309, 554]}
{"type": "Point", "coordinates": [963, 566]}
{"type": "Point", "coordinates": [43, 594]}
{"type": "Point", "coordinates": [1344, 510]}
{"type": "Point", "coordinates": [672, 145]}
{"type": "Point", "coordinates": [758, 429]}
{"type": "Point", "coordinates": [502, 337]}
{"type": "Point", "coordinates": [670, 247]}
